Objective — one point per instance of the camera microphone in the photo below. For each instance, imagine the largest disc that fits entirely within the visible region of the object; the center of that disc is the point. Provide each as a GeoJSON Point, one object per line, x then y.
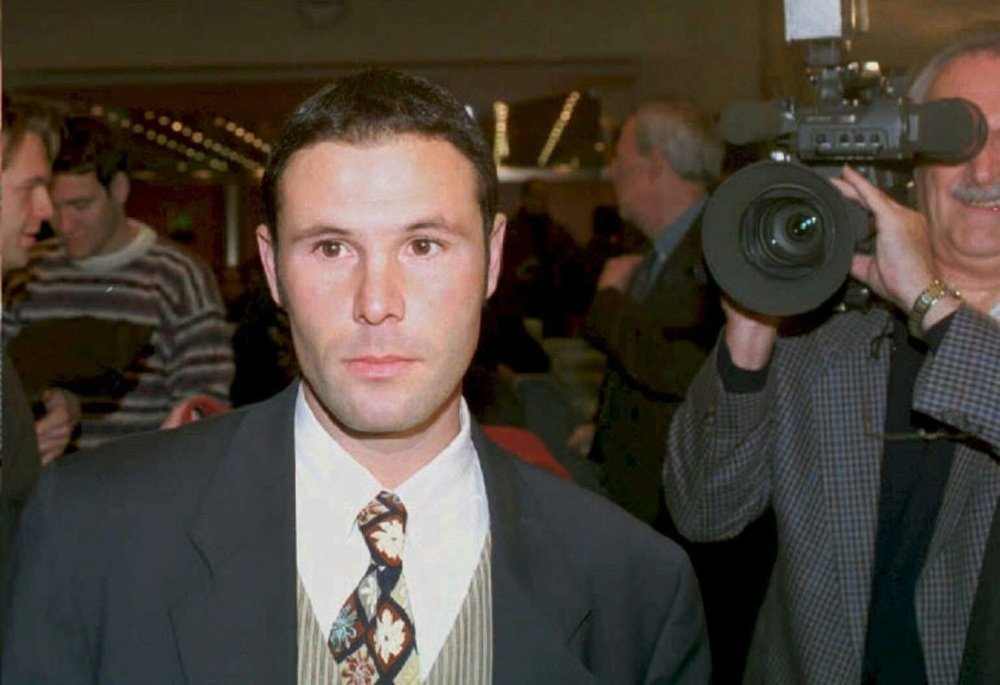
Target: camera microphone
{"type": "Point", "coordinates": [743, 123]}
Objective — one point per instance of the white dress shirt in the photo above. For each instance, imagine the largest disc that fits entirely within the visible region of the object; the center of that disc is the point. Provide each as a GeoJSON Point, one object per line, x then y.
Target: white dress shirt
{"type": "Point", "coordinates": [447, 522]}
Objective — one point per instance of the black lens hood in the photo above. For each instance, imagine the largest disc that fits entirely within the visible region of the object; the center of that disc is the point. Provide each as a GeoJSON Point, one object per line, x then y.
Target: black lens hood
{"type": "Point", "coordinates": [740, 274]}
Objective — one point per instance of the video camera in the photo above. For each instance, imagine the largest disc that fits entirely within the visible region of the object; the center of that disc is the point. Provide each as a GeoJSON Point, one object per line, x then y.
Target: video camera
{"type": "Point", "coordinates": [778, 237]}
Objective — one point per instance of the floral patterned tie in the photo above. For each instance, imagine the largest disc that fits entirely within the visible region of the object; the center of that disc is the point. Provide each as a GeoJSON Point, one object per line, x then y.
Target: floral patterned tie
{"type": "Point", "coordinates": [372, 638]}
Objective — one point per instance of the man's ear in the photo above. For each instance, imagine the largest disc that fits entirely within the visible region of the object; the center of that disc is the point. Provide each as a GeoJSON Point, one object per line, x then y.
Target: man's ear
{"type": "Point", "coordinates": [119, 187]}
{"type": "Point", "coordinates": [268, 255]}
{"type": "Point", "coordinates": [496, 253]}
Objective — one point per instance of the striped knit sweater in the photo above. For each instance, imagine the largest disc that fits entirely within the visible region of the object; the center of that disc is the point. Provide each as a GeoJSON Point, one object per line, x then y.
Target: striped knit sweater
{"type": "Point", "coordinates": [150, 282]}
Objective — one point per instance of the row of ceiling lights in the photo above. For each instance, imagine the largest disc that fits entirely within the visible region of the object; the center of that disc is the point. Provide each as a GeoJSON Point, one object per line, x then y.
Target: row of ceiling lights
{"type": "Point", "coordinates": [174, 135]}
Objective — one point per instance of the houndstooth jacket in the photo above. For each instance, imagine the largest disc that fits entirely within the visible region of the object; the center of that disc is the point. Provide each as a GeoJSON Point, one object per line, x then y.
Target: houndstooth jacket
{"type": "Point", "coordinates": [810, 445]}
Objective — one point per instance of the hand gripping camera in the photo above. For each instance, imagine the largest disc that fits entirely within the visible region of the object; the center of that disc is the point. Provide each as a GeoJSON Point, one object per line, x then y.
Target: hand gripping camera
{"type": "Point", "coordinates": [778, 237]}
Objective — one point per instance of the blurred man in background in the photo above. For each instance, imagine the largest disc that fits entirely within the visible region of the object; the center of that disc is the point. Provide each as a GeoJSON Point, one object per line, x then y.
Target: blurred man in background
{"type": "Point", "coordinates": [656, 316]}
{"type": "Point", "coordinates": [28, 141]}
{"type": "Point", "coordinates": [110, 293]}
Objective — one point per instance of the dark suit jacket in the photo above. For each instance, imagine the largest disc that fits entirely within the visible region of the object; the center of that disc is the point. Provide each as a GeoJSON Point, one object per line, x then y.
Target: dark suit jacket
{"type": "Point", "coordinates": [19, 452]}
{"type": "Point", "coordinates": [654, 346]}
{"type": "Point", "coordinates": [170, 558]}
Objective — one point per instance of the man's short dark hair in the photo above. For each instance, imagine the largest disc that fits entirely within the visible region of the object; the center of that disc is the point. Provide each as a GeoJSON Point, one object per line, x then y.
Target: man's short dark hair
{"type": "Point", "coordinates": [20, 119]}
{"type": "Point", "coordinates": [370, 107]}
{"type": "Point", "coordinates": [88, 144]}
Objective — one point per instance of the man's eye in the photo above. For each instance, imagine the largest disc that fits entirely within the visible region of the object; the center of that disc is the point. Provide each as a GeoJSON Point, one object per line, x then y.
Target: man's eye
{"type": "Point", "coordinates": [330, 249]}
{"type": "Point", "coordinates": [423, 247]}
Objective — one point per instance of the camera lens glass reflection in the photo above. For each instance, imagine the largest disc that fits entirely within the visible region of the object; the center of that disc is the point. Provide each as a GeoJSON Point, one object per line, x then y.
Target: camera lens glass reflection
{"type": "Point", "coordinates": [789, 233]}
{"type": "Point", "coordinates": [800, 226]}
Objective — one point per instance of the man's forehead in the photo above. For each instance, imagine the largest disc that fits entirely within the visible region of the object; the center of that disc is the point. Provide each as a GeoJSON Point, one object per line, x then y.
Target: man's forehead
{"type": "Point", "coordinates": [379, 162]}
{"type": "Point", "coordinates": [28, 157]}
{"type": "Point", "coordinates": [75, 182]}
{"type": "Point", "coordinates": [969, 73]}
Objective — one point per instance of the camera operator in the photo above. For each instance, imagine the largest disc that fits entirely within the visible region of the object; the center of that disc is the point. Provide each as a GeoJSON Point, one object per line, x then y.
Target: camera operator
{"type": "Point", "coordinates": [873, 436]}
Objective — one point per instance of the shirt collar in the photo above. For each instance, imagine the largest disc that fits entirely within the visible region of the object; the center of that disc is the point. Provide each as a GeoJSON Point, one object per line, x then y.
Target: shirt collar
{"type": "Point", "coordinates": [140, 244]}
{"type": "Point", "coordinates": [667, 240]}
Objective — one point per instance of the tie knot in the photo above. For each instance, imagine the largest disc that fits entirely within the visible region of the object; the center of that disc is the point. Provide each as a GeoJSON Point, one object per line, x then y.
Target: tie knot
{"type": "Point", "coordinates": [383, 524]}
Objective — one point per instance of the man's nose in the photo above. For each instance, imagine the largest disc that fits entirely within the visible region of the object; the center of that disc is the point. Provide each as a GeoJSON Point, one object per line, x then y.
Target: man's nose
{"type": "Point", "coordinates": [43, 204]}
{"type": "Point", "coordinates": [379, 295]}
{"type": "Point", "coordinates": [986, 165]}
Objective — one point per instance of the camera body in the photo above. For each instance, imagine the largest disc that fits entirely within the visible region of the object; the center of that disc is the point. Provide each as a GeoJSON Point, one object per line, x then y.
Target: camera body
{"type": "Point", "coordinates": [778, 237]}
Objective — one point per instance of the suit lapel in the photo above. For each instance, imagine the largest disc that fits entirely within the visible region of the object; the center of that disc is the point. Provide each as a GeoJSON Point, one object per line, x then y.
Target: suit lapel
{"type": "Point", "coordinates": [682, 264]}
{"type": "Point", "coordinates": [539, 616]}
{"type": "Point", "coordinates": [850, 404]}
{"type": "Point", "coordinates": [238, 622]}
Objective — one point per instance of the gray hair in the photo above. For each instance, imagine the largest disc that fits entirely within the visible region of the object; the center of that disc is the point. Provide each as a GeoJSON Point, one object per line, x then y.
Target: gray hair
{"type": "Point", "coordinates": [982, 40]}
{"type": "Point", "coordinates": [682, 134]}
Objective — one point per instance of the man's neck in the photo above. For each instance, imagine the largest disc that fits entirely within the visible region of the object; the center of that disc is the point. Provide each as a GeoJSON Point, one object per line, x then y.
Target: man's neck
{"type": "Point", "coordinates": [673, 207]}
{"type": "Point", "coordinates": [393, 458]}
{"type": "Point", "coordinates": [125, 232]}
{"type": "Point", "coordinates": [978, 281]}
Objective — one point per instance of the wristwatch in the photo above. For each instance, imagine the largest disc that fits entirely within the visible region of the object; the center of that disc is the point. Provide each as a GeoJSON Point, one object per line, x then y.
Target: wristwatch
{"type": "Point", "coordinates": [931, 294]}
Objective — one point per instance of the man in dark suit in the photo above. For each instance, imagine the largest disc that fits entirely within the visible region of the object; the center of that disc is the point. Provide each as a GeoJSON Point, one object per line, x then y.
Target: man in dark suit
{"type": "Point", "coordinates": [356, 527]}
{"type": "Point", "coordinates": [656, 317]}
{"type": "Point", "coordinates": [873, 435]}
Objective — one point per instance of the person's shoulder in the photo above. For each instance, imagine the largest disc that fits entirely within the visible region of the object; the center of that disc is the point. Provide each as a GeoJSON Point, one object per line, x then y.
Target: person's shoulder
{"type": "Point", "coordinates": [47, 254]}
{"type": "Point", "coordinates": [825, 335]}
{"type": "Point", "coordinates": [158, 460]}
{"type": "Point", "coordinates": [592, 527]}
{"type": "Point", "coordinates": [164, 248]}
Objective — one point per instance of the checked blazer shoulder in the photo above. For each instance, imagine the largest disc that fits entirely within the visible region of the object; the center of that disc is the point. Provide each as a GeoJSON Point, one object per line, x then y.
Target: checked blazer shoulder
{"type": "Point", "coordinates": [809, 444]}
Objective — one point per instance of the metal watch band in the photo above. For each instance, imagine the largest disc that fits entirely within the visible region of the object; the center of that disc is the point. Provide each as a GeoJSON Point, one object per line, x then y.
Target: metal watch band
{"type": "Point", "coordinates": [931, 294]}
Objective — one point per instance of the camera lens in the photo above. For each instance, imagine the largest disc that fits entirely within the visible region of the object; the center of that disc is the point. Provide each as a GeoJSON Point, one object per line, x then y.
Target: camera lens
{"type": "Point", "coordinates": [778, 237]}
{"type": "Point", "coordinates": [800, 226]}
{"type": "Point", "coordinates": [787, 233]}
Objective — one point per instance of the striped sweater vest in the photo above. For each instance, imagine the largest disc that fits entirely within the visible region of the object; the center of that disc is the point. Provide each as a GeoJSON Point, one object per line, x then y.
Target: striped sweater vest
{"type": "Point", "coordinates": [465, 659]}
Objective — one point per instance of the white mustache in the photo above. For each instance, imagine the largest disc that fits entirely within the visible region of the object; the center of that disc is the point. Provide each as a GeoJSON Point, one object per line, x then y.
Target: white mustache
{"type": "Point", "coordinates": [977, 194]}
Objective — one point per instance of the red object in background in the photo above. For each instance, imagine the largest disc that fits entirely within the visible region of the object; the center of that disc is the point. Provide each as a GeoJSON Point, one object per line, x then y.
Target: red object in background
{"type": "Point", "coordinates": [527, 446]}
{"type": "Point", "coordinates": [199, 407]}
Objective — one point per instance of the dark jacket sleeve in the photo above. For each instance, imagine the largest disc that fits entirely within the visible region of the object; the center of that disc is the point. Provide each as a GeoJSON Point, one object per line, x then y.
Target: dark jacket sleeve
{"type": "Point", "coordinates": [44, 640]}
{"type": "Point", "coordinates": [682, 652]}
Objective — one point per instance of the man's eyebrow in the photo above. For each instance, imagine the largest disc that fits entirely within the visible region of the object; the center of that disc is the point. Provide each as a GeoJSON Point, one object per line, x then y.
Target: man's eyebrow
{"type": "Point", "coordinates": [38, 179]}
{"type": "Point", "coordinates": [316, 230]}
{"type": "Point", "coordinates": [431, 224]}
{"type": "Point", "coordinates": [428, 224]}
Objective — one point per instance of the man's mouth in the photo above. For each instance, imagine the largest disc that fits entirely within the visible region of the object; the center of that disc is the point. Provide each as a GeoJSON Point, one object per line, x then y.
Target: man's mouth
{"type": "Point", "coordinates": [978, 197]}
{"type": "Point", "coordinates": [378, 366]}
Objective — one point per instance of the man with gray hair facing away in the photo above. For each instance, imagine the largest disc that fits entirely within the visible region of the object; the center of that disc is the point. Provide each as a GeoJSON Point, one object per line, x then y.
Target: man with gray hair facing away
{"type": "Point", "coordinates": [656, 316]}
{"type": "Point", "coordinates": [874, 436]}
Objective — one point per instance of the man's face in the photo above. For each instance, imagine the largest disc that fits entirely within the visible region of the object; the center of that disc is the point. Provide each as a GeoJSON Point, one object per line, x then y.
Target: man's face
{"type": "Point", "coordinates": [381, 266]}
{"type": "Point", "coordinates": [26, 203]}
{"type": "Point", "coordinates": [88, 216]}
{"type": "Point", "coordinates": [631, 176]}
{"type": "Point", "coordinates": [962, 202]}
